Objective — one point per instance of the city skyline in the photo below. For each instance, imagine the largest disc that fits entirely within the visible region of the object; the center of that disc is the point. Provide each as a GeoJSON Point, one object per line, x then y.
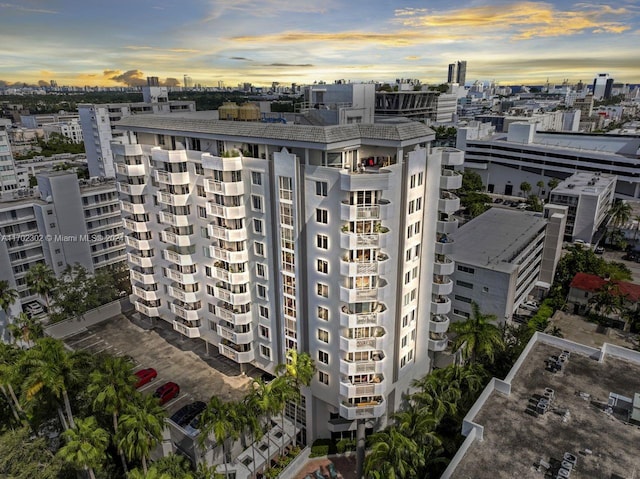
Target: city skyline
{"type": "Point", "coordinates": [259, 42]}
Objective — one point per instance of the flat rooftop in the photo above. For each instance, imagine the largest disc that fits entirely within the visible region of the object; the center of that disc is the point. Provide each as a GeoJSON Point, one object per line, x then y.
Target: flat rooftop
{"type": "Point", "coordinates": [584, 184]}
{"type": "Point", "coordinates": [495, 238]}
{"type": "Point", "coordinates": [515, 440]}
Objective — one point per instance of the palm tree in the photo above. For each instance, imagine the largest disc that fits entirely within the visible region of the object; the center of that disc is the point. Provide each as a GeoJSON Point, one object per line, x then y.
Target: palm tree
{"type": "Point", "coordinates": [111, 388]}
{"type": "Point", "coordinates": [8, 297]}
{"type": "Point", "coordinates": [264, 399]}
{"type": "Point", "coordinates": [48, 366]}
{"type": "Point", "coordinates": [41, 280]}
{"type": "Point", "coordinates": [437, 394]}
{"type": "Point", "coordinates": [252, 411]}
{"type": "Point", "coordinates": [620, 213]}
{"type": "Point", "coordinates": [152, 473]}
{"type": "Point", "coordinates": [607, 300]}
{"type": "Point", "coordinates": [393, 456]}
{"type": "Point", "coordinates": [86, 445]}
{"type": "Point", "coordinates": [477, 335]}
{"type": "Point", "coordinates": [540, 185]}
{"type": "Point", "coordinates": [552, 183]}
{"type": "Point", "coordinates": [140, 429]}
{"type": "Point", "coordinates": [525, 188]}
{"type": "Point", "coordinates": [26, 328]}
{"type": "Point", "coordinates": [221, 420]}
{"type": "Point", "coordinates": [418, 423]}
{"type": "Point", "coordinates": [9, 357]}
{"type": "Point", "coordinates": [299, 368]}
{"type": "Point", "coordinates": [175, 466]}
{"type": "Point", "coordinates": [282, 391]}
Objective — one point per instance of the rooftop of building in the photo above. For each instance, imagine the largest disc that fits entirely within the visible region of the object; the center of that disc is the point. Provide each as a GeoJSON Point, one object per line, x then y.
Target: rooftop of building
{"type": "Point", "coordinates": [585, 183]}
{"type": "Point", "coordinates": [592, 283]}
{"type": "Point", "coordinates": [494, 239]}
{"type": "Point", "coordinates": [26, 196]}
{"type": "Point", "coordinates": [516, 439]}
{"type": "Point", "coordinates": [278, 132]}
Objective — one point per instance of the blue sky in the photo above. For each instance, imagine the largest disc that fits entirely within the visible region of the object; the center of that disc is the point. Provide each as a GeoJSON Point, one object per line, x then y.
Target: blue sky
{"type": "Point", "coordinates": [121, 42]}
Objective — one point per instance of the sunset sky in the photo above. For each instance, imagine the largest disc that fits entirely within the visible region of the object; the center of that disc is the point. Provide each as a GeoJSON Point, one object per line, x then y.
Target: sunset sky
{"type": "Point", "coordinates": [117, 42]}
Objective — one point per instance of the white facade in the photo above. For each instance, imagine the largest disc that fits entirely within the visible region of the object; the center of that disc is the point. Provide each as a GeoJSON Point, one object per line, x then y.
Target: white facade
{"type": "Point", "coordinates": [8, 178]}
{"type": "Point", "coordinates": [69, 129]}
{"type": "Point", "coordinates": [262, 238]}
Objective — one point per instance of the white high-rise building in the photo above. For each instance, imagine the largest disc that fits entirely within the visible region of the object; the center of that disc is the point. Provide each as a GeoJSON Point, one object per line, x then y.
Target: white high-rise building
{"type": "Point", "coordinates": [260, 238]}
{"type": "Point", "coordinates": [8, 178]}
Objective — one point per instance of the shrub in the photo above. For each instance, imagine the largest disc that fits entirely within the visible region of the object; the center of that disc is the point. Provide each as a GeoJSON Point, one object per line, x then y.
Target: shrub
{"type": "Point", "coordinates": [540, 320]}
{"type": "Point", "coordinates": [323, 447]}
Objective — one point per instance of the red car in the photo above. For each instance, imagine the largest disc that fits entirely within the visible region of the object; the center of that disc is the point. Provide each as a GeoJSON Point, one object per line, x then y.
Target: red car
{"type": "Point", "coordinates": [144, 376]}
{"type": "Point", "coordinates": [167, 392]}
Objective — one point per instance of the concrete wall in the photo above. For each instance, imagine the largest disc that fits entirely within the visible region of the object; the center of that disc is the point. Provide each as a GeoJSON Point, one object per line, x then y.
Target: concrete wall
{"type": "Point", "coordinates": [69, 327]}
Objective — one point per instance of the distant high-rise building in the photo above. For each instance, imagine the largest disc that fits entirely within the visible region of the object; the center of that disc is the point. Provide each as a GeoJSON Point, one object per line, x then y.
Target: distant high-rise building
{"type": "Point", "coordinates": [602, 86]}
{"type": "Point", "coordinates": [457, 72]}
{"type": "Point", "coordinates": [188, 83]}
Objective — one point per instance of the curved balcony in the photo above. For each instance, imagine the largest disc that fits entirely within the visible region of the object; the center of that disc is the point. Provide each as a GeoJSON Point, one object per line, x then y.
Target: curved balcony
{"type": "Point", "coordinates": [229, 277]}
{"type": "Point", "coordinates": [170, 178]}
{"type": "Point", "coordinates": [133, 208]}
{"type": "Point", "coordinates": [361, 344]}
{"type": "Point", "coordinates": [147, 294]}
{"type": "Point", "coordinates": [355, 295]}
{"type": "Point", "coordinates": [186, 330]}
{"type": "Point", "coordinates": [237, 356]}
{"type": "Point", "coordinates": [174, 220]}
{"type": "Point", "coordinates": [168, 156]}
{"type": "Point", "coordinates": [142, 277]}
{"type": "Point", "coordinates": [236, 318]}
{"type": "Point", "coordinates": [226, 212]}
{"type": "Point", "coordinates": [359, 212]}
{"type": "Point", "coordinates": [220, 232]}
{"type": "Point", "coordinates": [233, 298]}
{"type": "Point", "coordinates": [363, 410]}
{"type": "Point", "coordinates": [438, 342]}
{"type": "Point", "coordinates": [210, 162]}
{"type": "Point", "coordinates": [137, 226]}
{"type": "Point", "coordinates": [358, 268]}
{"type": "Point", "coordinates": [185, 312]}
{"type": "Point", "coordinates": [355, 320]}
{"type": "Point", "coordinates": [184, 278]}
{"type": "Point", "coordinates": [447, 226]}
{"type": "Point", "coordinates": [448, 203]}
{"type": "Point", "coordinates": [444, 245]}
{"type": "Point", "coordinates": [225, 188]}
{"type": "Point", "coordinates": [444, 266]}
{"type": "Point", "coordinates": [440, 305]}
{"type": "Point", "coordinates": [184, 296]}
{"type": "Point", "coordinates": [133, 190]}
{"type": "Point", "coordinates": [439, 323]}
{"type": "Point", "coordinates": [350, 240]}
{"type": "Point", "coordinates": [151, 311]}
{"type": "Point", "coordinates": [229, 256]}
{"type": "Point", "coordinates": [450, 180]}
{"type": "Point", "coordinates": [172, 199]}
{"type": "Point", "coordinates": [231, 335]}
{"type": "Point", "coordinates": [142, 261]}
{"type": "Point", "coordinates": [371, 179]}
{"type": "Point", "coordinates": [130, 170]}
{"type": "Point", "coordinates": [176, 239]}
{"type": "Point", "coordinates": [137, 244]}
{"type": "Point", "coordinates": [351, 368]}
{"type": "Point", "coordinates": [452, 157]}
{"type": "Point", "coordinates": [178, 258]}
{"type": "Point", "coordinates": [349, 390]}
{"type": "Point", "coordinates": [442, 285]}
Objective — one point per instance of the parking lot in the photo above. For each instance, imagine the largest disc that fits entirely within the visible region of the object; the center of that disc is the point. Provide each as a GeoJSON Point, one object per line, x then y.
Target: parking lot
{"type": "Point", "coordinates": [197, 379]}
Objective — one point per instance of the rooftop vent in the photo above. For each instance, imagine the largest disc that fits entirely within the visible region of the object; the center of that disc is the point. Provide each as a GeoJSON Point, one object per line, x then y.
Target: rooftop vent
{"type": "Point", "coordinates": [571, 186]}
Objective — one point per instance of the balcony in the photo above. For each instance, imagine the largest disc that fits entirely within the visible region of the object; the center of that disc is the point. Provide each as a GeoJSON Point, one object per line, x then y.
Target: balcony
{"type": "Point", "coordinates": [130, 170]}
{"type": "Point", "coordinates": [359, 344]}
{"type": "Point", "coordinates": [210, 162]}
{"type": "Point", "coordinates": [233, 298]}
{"type": "Point", "coordinates": [226, 212]}
{"type": "Point", "coordinates": [150, 311]}
{"type": "Point", "coordinates": [348, 295]}
{"type": "Point", "coordinates": [441, 285]}
{"type": "Point", "coordinates": [444, 245]}
{"type": "Point", "coordinates": [186, 330]}
{"type": "Point", "coordinates": [147, 294]}
{"type": "Point", "coordinates": [350, 240]}
{"type": "Point", "coordinates": [170, 178]}
{"type": "Point", "coordinates": [438, 342]}
{"type": "Point", "coordinates": [172, 199]}
{"type": "Point", "coordinates": [137, 226]}
{"type": "Point", "coordinates": [168, 156]}
{"type": "Point", "coordinates": [355, 268]}
{"type": "Point", "coordinates": [226, 234]}
{"type": "Point", "coordinates": [142, 277]}
{"type": "Point", "coordinates": [184, 278]}
{"type": "Point", "coordinates": [186, 312]}
{"type": "Point", "coordinates": [440, 305]}
{"type": "Point", "coordinates": [142, 261]}
{"type": "Point", "coordinates": [450, 180]}
{"type": "Point", "coordinates": [439, 323]}
{"type": "Point", "coordinates": [233, 316]}
{"type": "Point", "coordinates": [372, 179]}
{"type": "Point", "coordinates": [350, 368]}
{"type": "Point", "coordinates": [177, 258]}
{"type": "Point", "coordinates": [359, 212]}
{"type": "Point", "coordinates": [225, 188]}
{"type": "Point", "coordinates": [184, 296]}
{"type": "Point", "coordinates": [229, 277]}
{"type": "Point", "coordinates": [133, 190]}
{"type": "Point", "coordinates": [363, 410]}
{"type": "Point", "coordinates": [448, 203]}
{"type": "Point", "coordinates": [229, 256]}
{"type": "Point", "coordinates": [237, 356]}
{"type": "Point", "coordinates": [447, 226]}
{"type": "Point", "coordinates": [444, 266]}
{"type": "Point", "coordinates": [234, 337]}
{"type": "Point", "coordinates": [176, 239]}
{"type": "Point", "coordinates": [349, 390]}
{"type": "Point", "coordinates": [137, 244]}
{"type": "Point", "coordinates": [355, 320]}
{"type": "Point", "coordinates": [174, 220]}
{"type": "Point", "coordinates": [451, 156]}
{"type": "Point", "coordinates": [133, 208]}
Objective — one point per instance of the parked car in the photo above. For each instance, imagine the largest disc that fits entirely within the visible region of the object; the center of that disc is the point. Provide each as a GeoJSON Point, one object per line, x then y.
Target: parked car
{"type": "Point", "coordinates": [144, 376]}
{"type": "Point", "coordinates": [530, 305]}
{"type": "Point", "coordinates": [193, 428]}
{"type": "Point", "coordinates": [167, 392]}
{"type": "Point", "coordinates": [187, 413]}
{"type": "Point", "coordinates": [599, 250]}
{"type": "Point", "coordinates": [497, 201]}
{"type": "Point", "coordinates": [34, 309]}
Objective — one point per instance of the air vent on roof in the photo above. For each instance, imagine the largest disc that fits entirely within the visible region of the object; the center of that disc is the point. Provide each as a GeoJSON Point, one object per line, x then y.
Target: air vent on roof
{"type": "Point", "coordinates": [571, 186]}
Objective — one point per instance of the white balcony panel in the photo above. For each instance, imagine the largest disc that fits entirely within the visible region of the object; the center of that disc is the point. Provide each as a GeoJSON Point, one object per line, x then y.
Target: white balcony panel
{"type": "Point", "coordinates": [174, 220]}
{"type": "Point", "coordinates": [137, 244]}
{"type": "Point", "coordinates": [226, 212]}
{"type": "Point", "coordinates": [358, 320]}
{"type": "Point", "coordinates": [449, 204]}
{"type": "Point", "coordinates": [438, 344]}
{"type": "Point", "coordinates": [355, 268]}
{"type": "Point", "coordinates": [172, 178]}
{"type": "Point", "coordinates": [168, 156]}
{"type": "Point", "coordinates": [452, 157]}
{"type": "Point", "coordinates": [133, 208]}
{"type": "Point", "coordinates": [362, 411]}
{"type": "Point", "coordinates": [179, 259]}
{"type": "Point", "coordinates": [359, 240]}
{"type": "Point", "coordinates": [371, 179]}
{"type": "Point", "coordinates": [441, 306]}
{"type": "Point", "coordinates": [445, 268]}
{"type": "Point", "coordinates": [146, 295]}
{"type": "Point", "coordinates": [210, 162]}
{"type": "Point", "coordinates": [225, 234]}
{"type": "Point", "coordinates": [184, 313]}
{"type": "Point", "coordinates": [445, 248]}
{"type": "Point", "coordinates": [172, 199]}
{"type": "Point", "coordinates": [360, 344]}
{"type": "Point", "coordinates": [238, 357]}
{"type": "Point", "coordinates": [439, 323]}
{"type": "Point", "coordinates": [130, 170]}
{"type": "Point", "coordinates": [233, 298]}
{"type": "Point", "coordinates": [355, 295]}
{"type": "Point", "coordinates": [444, 287]}
{"type": "Point", "coordinates": [225, 188]}
{"type": "Point", "coordinates": [450, 180]}
{"type": "Point", "coordinates": [141, 261]}
{"type": "Point", "coordinates": [142, 278]}
{"type": "Point", "coordinates": [137, 226]}
{"type": "Point", "coordinates": [359, 212]}
{"type": "Point", "coordinates": [234, 337]}
{"type": "Point", "coordinates": [361, 367]}
{"type": "Point", "coordinates": [238, 319]}
{"type": "Point", "coordinates": [175, 239]}
{"type": "Point", "coordinates": [133, 190]}
{"type": "Point", "coordinates": [232, 278]}
{"type": "Point", "coordinates": [185, 296]}
{"type": "Point", "coordinates": [229, 256]}
{"type": "Point", "coordinates": [184, 278]}
{"type": "Point", "coordinates": [185, 330]}
{"type": "Point", "coordinates": [146, 310]}
{"type": "Point", "coordinates": [447, 226]}
{"type": "Point", "coordinates": [362, 390]}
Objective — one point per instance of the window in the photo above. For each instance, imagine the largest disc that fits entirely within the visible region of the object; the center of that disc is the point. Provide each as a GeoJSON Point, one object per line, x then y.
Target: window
{"type": "Point", "coordinates": [202, 212]}
{"type": "Point", "coordinates": [323, 290]}
{"type": "Point", "coordinates": [464, 284]}
{"type": "Point", "coordinates": [420, 175]}
{"type": "Point", "coordinates": [323, 313]}
{"type": "Point", "coordinates": [49, 212]}
{"type": "Point", "coordinates": [403, 343]}
{"type": "Point", "coordinates": [263, 331]}
{"type": "Point", "coordinates": [322, 242]}
{"type": "Point", "coordinates": [256, 202]}
{"type": "Point", "coordinates": [57, 251]}
{"type": "Point", "coordinates": [323, 357]}
{"type": "Point", "coordinates": [416, 228]}
{"type": "Point", "coordinates": [322, 216]}
{"type": "Point", "coordinates": [200, 191]}
{"type": "Point", "coordinates": [418, 204]}
{"type": "Point", "coordinates": [462, 298]}
{"type": "Point", "coordinates": [198, 166]}
{"type": "Point", "coordinates": [256, 178]}
{"type": "Point", "coordinates": [52, 225]}
{"type": "Point", "coordinates": [264, 312]}
{"type": "Point", "coordinates": [262, 291]}
{"type": "Point", "coordinates": [258, 226]}
{"type": "Point", "coordinates": [466, 269]}
{"type": "Point", "coordinates": [323, 377]}
{"type": "Point", "coordinates": [259, 248]}
{"type": "Point", "coordinates": [412, 183]}
{"type": "Point", "coordinates": [265, 351]}
{"type": "Point", "coordinates": [323, 335]}
{"type": "Point", "coordinates": [323, 266]}
{"type": "Point", "coordinates": [322, 188]}
{"type": "Point", "coordinates": [485, 289]}
{"type": "Point", "coordinates": [260, 270]}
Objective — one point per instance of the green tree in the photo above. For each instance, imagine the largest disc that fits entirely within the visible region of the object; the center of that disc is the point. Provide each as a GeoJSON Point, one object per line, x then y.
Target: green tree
{"type": "Point", "coordinates": [252, 411]}
{"type": "Point", "coordinates": [8, 296]}
{"type": "Point", "coordinates": [552, 183]}
{"type": "Point", "coordinates": [264, 398]}
{"type": "Point", "coordinates": [393, 456]}
{"type": "Point", "coordinates": [173, 465]}
{"type": "Point", "coordinates": [477, 336]}
{"type": "Point", "coordinates": [152, 473]}
{"type": "Point", "coordinates": [86, 445]}
{"type": "Point", "coordinates": [140, 429]}
{"type": "Point", "coordinates": [525, 188]}
{"type": "Point", "coordinates": [620, 213]}
{"type": "Point", "coordinates": [41, 280]}
{"type": "Point", "coordinates": [540, 185]}
{"type": "Point", "coordinates": [24, 455]}
{"type": "Point", "coordinates": [607, 300]}
{"type": "Point", "coordinates": [10, 356]}
{"type": "Point", "coordinates": [471, 181]}
{"type": "Point", "coordinates": [26, 328]}
{"type": "Point", "coordinates": [221, 420]}
{"type": "Point", "coordinates": [282, 392]}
